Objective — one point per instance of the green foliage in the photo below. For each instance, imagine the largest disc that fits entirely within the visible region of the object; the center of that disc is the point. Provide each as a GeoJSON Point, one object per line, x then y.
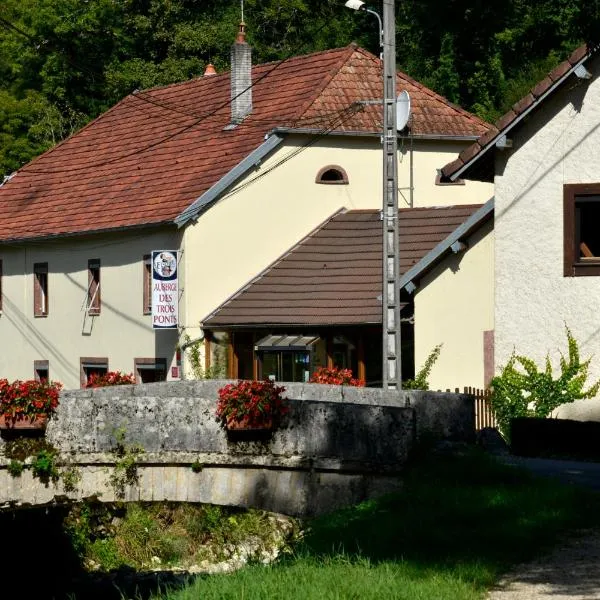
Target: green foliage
{"type": "Point", "coordinates": [140, 535]}
{"type": "Point", "coordinates": [70, 476]}
{"type": "Point", "coordinates": [15, 467]}
{"type": "Point", "coordinates": [44, 466]}
{"type": "Point", "coordinates": [525, 390]}
{"type": "Point", "coordinates": [420, 382]}
{"type": "Point", "coordinates": [197, 466]}
{"type": "Point", "coordinates": [125, 469]}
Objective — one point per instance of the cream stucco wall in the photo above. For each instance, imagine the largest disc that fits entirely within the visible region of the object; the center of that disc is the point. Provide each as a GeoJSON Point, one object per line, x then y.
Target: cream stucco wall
{"type": "Point", "coordinates": [454, 305]}
{"type": "Point", "coordinates": [534, 301]}
{"type": "Point", "coordinates": [248, 229]}
{"type": "Point", "coordinates": [121, 332]}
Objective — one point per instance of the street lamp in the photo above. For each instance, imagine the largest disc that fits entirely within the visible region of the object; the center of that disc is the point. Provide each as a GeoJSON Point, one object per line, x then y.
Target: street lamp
{"type": "Point", "coordinates": [359, 5]}
{"type": "Point", "coordinates": [392, 363]}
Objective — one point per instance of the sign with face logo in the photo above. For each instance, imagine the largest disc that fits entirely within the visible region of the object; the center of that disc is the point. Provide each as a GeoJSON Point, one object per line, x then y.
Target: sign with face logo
{"type": "Point", "coordinates": [165, 289]}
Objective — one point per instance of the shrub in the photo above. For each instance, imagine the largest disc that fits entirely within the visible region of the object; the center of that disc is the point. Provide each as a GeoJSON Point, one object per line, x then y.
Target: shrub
{"type": "Point", "coordinates": [421, 380]}
{"type": "Point", "coordinates": [109, 378]}
{"type": "Point", "coordinates": [28, 399]}
{"type": "Point", "coordinates": [524, 390]}
{"type": "Point", "coordinates": [253, 402]}
{"type": "Point", "coordinates": [335, 376]}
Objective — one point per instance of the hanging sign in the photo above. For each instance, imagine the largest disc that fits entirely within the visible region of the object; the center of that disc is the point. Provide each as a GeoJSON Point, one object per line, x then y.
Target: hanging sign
{"type": "Point", "coordinates": [165, 289]}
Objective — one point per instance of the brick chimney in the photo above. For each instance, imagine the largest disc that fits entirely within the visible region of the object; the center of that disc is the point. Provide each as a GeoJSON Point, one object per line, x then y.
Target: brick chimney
{"type": "Point", "coordinates": [241, 77]}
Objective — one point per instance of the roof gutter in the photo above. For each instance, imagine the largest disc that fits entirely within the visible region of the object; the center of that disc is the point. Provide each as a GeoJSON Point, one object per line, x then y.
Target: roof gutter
{"type": "Point", "coordinates": [451, 244]}
{"type": "Point", "coordinates": [518, 119]}
{"type": "Point", "coordinates": [377, 134]}
{"type": "Point", "coordinates": [253, 160]}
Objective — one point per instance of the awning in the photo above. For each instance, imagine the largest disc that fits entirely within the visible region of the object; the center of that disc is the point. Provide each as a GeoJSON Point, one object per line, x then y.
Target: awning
{"type": "Point", "coordinates": [286, 342]}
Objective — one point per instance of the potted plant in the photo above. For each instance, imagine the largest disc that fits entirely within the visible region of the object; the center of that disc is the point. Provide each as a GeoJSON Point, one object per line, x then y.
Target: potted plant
{"type": "Point", "coordinates": [27, 404]}
{"type": "Point", "coordinates": [250, 405]}
{"type": "Point", "coordinates": [335, 376]}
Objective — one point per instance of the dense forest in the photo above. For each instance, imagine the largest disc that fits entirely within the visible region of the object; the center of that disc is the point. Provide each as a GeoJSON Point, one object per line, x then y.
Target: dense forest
{"type": "Point", "coordinates": [62, 62]}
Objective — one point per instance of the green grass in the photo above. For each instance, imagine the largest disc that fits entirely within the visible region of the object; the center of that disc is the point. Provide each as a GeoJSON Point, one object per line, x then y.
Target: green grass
{"type": "Point", "coordinates": [459, 523]}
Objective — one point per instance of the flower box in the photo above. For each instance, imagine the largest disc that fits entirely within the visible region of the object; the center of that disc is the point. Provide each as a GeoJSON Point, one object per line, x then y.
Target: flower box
{"type": "Point", "coordinates": [34, 423]}
{"type": "Point", "coordinates": [246, 424]}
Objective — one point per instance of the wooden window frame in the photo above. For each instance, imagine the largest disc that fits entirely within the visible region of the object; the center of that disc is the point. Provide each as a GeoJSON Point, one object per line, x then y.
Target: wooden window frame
{"type": "Point", "coordinates": [84, 361]}
{"type": "Point", "coordinates": [147, 284]}
{"type": "Point", "coordinates": [41, 365]}
{"type": "Point", "coordinates": [340, 170]}
{"type": "Point", "coordinates": [94, 287]}
{"type": "Point", "coordinates": [40, 290]}
{"type": "Point", "coordinates": [159, 363]}
{"type": "Point", "coordinates": [572, 267]}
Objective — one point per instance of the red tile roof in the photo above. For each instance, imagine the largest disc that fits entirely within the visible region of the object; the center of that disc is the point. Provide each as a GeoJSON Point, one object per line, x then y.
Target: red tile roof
{"type": "Point", "coordinates": [476, 151]}
{"type": "Point", "coordinates": [333, 277]}
{"type": "Point", "coordinates": [153, 154]}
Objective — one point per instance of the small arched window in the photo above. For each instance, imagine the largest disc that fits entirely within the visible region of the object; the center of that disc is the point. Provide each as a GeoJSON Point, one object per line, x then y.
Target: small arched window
{"type": "Point", "coordinates": [332, 174]}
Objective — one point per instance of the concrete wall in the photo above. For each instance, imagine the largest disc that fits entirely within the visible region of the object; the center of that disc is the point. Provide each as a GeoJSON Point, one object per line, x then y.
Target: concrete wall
{"type": "Point", "coordinates": [335, 447]}
{"type": "Point", "coordinates": [555, 146]}
{"type": "Point", "coordinates": [454, 305]}
{"type": "Point", "coordinates": [121, 332]}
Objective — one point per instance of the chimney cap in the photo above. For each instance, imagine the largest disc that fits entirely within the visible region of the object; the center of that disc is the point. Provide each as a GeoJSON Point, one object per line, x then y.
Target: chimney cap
{"type": "Point", "coordinates": [210, 70]}
{"type": "Point", "coordinates": [241, 36]}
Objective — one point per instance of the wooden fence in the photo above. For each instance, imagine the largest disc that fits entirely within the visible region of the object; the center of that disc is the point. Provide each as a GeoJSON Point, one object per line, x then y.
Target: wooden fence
{"type": "Point", "coordinates": [484, 416]}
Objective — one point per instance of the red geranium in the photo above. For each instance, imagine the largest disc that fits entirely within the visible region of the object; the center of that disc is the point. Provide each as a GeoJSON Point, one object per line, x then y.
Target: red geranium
{"type": "Point", "coordinates": [30, 398]}
{"type": "Point", "coordinates": [251, 401]}
{"type": "Point", "coordinates": [336, 376]}
{"type": "Point", "coordinates": [109, 378]}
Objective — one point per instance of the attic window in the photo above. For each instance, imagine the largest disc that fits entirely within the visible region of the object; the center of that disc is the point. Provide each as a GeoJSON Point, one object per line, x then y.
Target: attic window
{"type": "Point", "coordinates": [333, 175]}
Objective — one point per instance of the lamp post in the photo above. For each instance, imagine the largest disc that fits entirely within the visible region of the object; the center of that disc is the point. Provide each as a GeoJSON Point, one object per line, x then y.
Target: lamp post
{"type": "Point", "coordinates": [391, 363]}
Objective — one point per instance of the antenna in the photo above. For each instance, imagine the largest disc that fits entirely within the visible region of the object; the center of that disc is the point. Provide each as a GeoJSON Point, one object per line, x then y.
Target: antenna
{"type": "Point", "coordinates": [402, 110]}
{"type": "Point", "coordinates": [242, 3]}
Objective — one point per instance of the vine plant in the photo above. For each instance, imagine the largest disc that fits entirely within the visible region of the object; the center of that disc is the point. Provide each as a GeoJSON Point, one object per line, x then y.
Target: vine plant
{"type": "Point", "coordinates": [125, 471]}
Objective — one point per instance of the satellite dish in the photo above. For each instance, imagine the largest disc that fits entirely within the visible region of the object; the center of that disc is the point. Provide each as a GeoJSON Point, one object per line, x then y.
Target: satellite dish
{"type": "Point", "coordinates": [402, 110]}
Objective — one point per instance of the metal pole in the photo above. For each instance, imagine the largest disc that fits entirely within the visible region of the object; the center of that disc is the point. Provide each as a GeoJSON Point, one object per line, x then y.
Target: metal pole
{"type": "Point", "coordinates": [392, 365]}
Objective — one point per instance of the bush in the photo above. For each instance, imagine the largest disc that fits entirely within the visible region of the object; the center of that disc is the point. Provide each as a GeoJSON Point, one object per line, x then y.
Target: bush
{"type": "Point", "coordinates": [524, 390]}
{"type": "Point", "coordinates": [421, 380]}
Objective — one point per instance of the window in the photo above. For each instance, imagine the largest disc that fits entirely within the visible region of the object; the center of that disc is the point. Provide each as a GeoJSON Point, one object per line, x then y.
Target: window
{"type": "Point", "coordinates": [90, 365]}
{"type": "Point", "coordinates": [93, 300]}
{"type": "Point", "coordinates": [332, 174]}
{"type": "Point", "coordinates": [581, 203]}
{"type": "Point", "coordinates": [41, 370]}
{"type": "Point", "coordinates": [40, 289]}
{"type": "Point", "coordinates": [148, 370]}
{"type": "Point", "coordinates": [147, 284]}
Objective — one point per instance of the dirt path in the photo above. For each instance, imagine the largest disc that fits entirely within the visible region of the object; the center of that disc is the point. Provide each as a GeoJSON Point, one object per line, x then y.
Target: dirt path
{"type": "Point", "coordinates": [571, 572]}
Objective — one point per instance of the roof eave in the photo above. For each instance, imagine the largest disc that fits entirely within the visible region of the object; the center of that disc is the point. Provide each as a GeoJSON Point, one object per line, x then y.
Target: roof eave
{"type": "Point", "coordinates": [407, 135]}
{"type": "Point", "coordinates": [463, 171]}
{"type": "Point", "coordinates": [211, 195]}
{"type": "Point", "coordinates": [434, 256]}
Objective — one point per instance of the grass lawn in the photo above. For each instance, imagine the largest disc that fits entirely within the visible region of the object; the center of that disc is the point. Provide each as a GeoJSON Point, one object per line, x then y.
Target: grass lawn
{"type": "Point", "coordinates": [459, 523]}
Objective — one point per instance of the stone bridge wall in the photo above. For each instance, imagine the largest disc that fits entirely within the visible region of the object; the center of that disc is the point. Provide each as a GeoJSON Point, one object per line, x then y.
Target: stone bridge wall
{"type": "Point", "coordinates": [336, 446]}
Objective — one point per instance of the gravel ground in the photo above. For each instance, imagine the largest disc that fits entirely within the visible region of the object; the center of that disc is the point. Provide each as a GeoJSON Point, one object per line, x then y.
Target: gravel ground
{"type": "Point", "coordinates": [571, 572]}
